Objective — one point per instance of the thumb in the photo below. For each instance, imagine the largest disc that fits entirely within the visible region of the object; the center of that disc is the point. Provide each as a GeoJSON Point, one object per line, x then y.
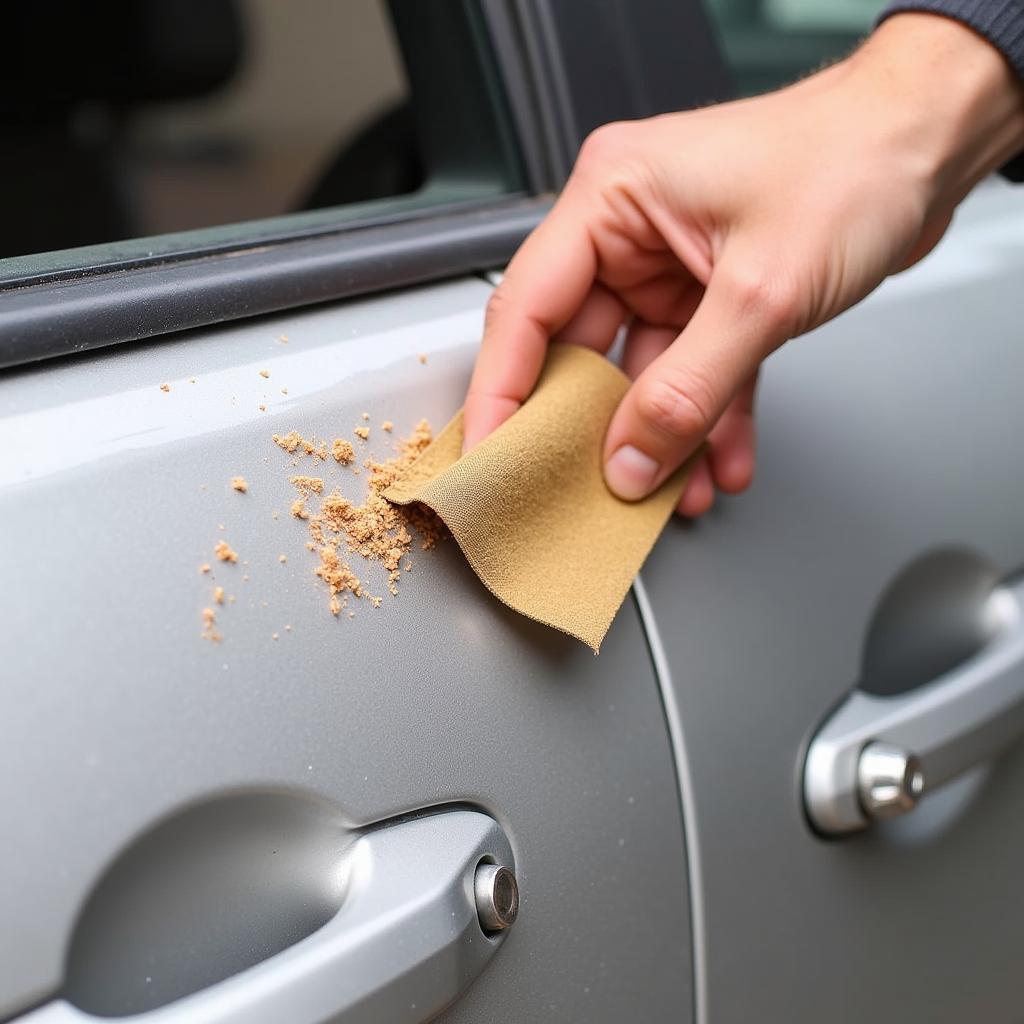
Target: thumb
{"type": "Point", "coordinates": [672, 406]}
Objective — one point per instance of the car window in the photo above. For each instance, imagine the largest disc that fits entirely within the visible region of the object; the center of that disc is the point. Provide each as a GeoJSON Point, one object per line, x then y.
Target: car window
{"type": "Point", "coordinates": [147, 127]}
{"type": "Point", "coordinates": [769, 43]}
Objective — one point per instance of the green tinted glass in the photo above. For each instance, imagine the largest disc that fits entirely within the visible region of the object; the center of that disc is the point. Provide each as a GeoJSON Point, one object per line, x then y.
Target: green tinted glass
{"type": "Point", "coordinates": [769, 43]}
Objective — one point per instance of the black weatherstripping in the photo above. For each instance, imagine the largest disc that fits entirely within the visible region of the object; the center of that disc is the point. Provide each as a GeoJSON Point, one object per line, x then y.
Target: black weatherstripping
{"type": "Point", "coordinates": [65, 317]}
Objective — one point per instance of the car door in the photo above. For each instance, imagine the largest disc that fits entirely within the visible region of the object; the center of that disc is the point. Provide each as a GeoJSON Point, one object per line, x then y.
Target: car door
{"type": "Point", "coordinates": [305, 729]}
{"type": "Point", "coordinates": [871, 566]}
{"type": "Point", "coordinates": [222, 801]}
{"type": "Point", "coordinates": [887, 446]}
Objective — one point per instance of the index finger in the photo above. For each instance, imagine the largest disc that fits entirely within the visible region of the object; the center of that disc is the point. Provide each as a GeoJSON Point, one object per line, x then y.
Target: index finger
{"type": "Point", "coordinates": [544, 285]}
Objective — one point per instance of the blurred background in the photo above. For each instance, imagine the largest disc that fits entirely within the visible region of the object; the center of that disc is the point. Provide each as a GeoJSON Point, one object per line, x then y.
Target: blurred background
{"type": "Point", "coordinates": [136, 118]}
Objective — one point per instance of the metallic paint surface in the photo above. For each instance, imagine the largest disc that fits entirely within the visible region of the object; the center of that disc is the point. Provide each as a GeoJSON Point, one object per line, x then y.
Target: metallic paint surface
{"type": "Point", "coordinates": [892, 432]}
{"type": "Point", "coordinates": [116, 713]}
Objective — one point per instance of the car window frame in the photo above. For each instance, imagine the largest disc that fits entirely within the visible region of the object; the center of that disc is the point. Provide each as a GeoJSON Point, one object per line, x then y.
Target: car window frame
{"type": "Point", "coordinates": [561, 67]}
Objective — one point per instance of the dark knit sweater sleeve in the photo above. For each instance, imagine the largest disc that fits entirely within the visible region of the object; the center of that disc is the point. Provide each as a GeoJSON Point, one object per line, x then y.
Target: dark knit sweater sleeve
{"type": "Point", "coordinates": [1001, 22]}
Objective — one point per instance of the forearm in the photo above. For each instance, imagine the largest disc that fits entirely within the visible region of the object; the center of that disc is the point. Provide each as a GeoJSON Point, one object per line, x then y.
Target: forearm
{"type": "Point", "coordinates": [961, 63]}
{"type": "Point", "coordinates": [961, 98]}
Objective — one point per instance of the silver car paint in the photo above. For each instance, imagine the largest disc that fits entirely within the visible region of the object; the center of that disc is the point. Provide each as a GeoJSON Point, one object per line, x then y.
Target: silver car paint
{"type": "Point", "coordinates": [892, 432]}
{"type": "Point", "coordinates": [116, 714]}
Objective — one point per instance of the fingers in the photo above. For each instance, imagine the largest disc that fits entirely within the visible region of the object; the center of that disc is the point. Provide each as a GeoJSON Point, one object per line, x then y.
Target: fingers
{"type": "Point", "coordinates": [596, 322]}
{"type": "Point", "coordinates": [728, 463]}
{"type": "Point", "coordinates": [544, 287]}
{"type": "Point", "coordinates": [677, 400]}
{"type": "Point", "coordinates": [731, 443]}
{"type": "Point", "coordinates": [644, 343]}
{"type": "Point", "coordinates": [699, 493]}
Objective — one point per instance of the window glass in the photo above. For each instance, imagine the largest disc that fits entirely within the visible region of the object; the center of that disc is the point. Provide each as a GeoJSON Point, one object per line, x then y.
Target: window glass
{"type": "Point", "coordinates": [152, 120]}
{"type": "Point", "coordinates": [769, 43]}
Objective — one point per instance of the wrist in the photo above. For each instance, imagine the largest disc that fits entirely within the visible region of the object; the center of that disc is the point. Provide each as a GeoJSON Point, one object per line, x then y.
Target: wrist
{"type": "Point", "coordinates": [949, 102]}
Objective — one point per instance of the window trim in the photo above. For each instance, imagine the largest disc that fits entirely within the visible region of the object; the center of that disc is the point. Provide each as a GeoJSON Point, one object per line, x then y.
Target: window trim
{"type": "Point", "coordinates": [241, 235]}
{"type": "Point", "coordinates": [64, 317]}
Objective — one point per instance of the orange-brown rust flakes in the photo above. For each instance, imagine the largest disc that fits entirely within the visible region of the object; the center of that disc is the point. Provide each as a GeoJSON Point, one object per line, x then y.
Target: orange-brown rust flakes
{"type": "Point", "coordinates": [375, 529]}
{"type": "Point", "coordinates": [417, 441]}
{"type": "Point", "coordinates": [338, 576]}
{"type": "Point", "coordinates": [224, 553]}
{"type": "Point", "coordinates": [209, 622]}
{"type": "Point", "coordinates": [289, 442]}
{"type": "Point", "coordinates": [316, 532]}
{"type": "Point", "coordinates": [218, 595]}
{"type": "Point", "coordinates": [293, 442]}
{"type": "Point", "coordinates": [165, 388]}
{"type": "Point", "coordinates": [362, 432]}
{"type": "Point", "coordinates": [205, 567]}
{"type": "Point", "coordinates": [343, 451]}
{"type": "Point", "coordinates": [238, 483]}
{"type": "Point", "coordinates": [388, 426]}
{"type": "Point", "coordinates": [307, 485]}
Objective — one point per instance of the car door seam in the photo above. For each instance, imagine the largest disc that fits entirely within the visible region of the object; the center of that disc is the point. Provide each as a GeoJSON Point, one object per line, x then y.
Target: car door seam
{"type": "Point", "coordinates": [687, 804]}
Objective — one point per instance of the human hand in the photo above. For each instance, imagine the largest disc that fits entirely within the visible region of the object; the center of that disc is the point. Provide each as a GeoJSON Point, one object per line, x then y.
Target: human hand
{"type": "Point", "coordinates": [719, 234]}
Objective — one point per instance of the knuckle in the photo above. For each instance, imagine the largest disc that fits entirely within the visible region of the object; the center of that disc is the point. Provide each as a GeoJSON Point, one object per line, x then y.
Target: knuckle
{"type": "Point", "coordinates": [604, 144]}
{"type": "Point", "coordinates": [496, 306]}
{"type": "Point", "coordinates": [677, 404]}
{"type": "Point", "coordinates": [766, 296]}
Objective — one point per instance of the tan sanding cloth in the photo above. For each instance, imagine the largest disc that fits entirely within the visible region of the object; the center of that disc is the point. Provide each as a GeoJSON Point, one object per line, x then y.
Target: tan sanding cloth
{"type": "Point", "coordinates": [529, 506]}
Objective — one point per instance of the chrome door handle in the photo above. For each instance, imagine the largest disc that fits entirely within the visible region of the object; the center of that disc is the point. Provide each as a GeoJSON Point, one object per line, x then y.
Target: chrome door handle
{"type": "Point", "coordinates": [427, 906]}
{"type": "Point", "coordinates": [875, 756]}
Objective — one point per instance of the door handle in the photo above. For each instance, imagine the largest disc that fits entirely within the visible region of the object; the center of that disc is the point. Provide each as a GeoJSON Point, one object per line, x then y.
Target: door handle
{"type": "Point", "coordinates": [876, 756]}
{"type": "Point", "coordinates": [427, 905]}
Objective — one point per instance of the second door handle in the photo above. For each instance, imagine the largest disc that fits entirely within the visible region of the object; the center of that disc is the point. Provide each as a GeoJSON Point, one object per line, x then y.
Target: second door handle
{"type": "Point", "coordinates": [876, 755]}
